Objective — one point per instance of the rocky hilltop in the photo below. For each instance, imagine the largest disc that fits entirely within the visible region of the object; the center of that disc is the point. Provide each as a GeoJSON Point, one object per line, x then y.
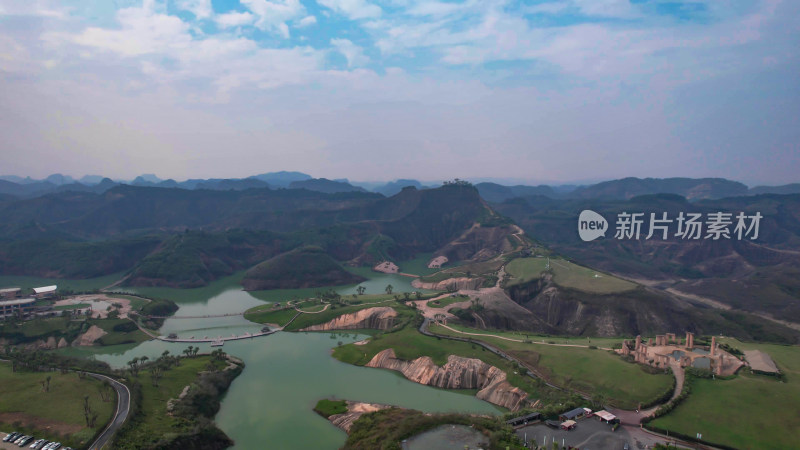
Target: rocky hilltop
{"type": "Point", "coordinates": [457, 373]}
{"type": "Point", "coordinates": [377, 318]}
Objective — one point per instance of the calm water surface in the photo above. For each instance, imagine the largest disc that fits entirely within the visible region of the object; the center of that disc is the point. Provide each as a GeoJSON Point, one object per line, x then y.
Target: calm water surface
{"type": "Point", "coordinates": [270, 404]}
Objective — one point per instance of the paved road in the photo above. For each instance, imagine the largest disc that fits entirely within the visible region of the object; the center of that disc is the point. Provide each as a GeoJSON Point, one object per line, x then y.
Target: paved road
{"type": "Point", "coordinates": [121, 414]}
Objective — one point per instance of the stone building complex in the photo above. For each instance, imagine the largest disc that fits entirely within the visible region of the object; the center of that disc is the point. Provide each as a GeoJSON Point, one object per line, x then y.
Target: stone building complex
{"type": "Point", "coordinates": [668, 349]}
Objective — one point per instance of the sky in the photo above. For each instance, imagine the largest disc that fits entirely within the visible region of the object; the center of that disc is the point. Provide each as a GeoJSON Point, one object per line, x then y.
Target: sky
{"type": "Point", "coordinates": [544, 91]}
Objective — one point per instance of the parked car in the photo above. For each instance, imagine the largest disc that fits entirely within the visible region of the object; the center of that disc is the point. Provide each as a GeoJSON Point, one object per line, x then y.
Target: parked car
{"type": "Point", "coordinates": [36, 443]}
{"type": "Point", "coordinates": [19, 439]}
{"type": "Point", "coordinates": [11, 436]}
{"type": "Point", "coordinates": [25, 441]}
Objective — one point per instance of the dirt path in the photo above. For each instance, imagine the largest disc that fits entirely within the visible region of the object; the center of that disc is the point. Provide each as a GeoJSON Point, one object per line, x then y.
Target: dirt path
{"type": "Point", "coordinates": [430, 312]}
{"type": "Point", "coordinates": [313, 312]}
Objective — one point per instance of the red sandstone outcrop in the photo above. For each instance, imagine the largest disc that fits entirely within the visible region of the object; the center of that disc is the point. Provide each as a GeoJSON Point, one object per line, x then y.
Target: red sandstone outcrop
{"type": "Point", "coordinates": [449, 284]}
{"type": "Point", "coordinates": [354, 411]}
{"type": "Point", "coordinates": [457, 373]}
{"type": "Point", "coordinates": [379, 318]}
{"type": "Point", "coordinates": [92, 334]}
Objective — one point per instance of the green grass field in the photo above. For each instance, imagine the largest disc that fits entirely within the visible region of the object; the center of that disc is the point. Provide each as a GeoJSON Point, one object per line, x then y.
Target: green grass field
{"type": "Point", "coordinates": [523, 270]}
{"type": "Point", "coordinates": [75, 306]}
{"type": "Point", "coordinates": [126, 332]}
{"type": "Point", "coordinates": [36, 328]}
{"type": "Point", "coordinates": [593, 371]}
{"type": "Point", "coordinates": [749, 411]}
{"type": "Point", "coordinates": [464, 270]}
{"type": "Point", "coordinates": [54, 415]}
{"type": "Point", "coordinates": [568, 275]}
{"type": "Point", "coordinates": [327, 408]}
{"type": "Point", "coordinates": [59, 327]}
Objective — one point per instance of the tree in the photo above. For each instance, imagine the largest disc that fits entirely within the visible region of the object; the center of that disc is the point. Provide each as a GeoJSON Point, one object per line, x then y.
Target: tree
{"type": "Point", "coordinates": [188, 351]}
{"type": "Point", "coordinates": [418, 294]}
{"type": "Point", "coordinates": [134, 366]}
{"type": "Point", "coordinates": [389, 289]}
{"type": "Point", "coordinates": [406, 295]}
{"type": "Point", "coordinates": [105, 391]}
{"type": "Point", "coordinates": [195, 350]}
{"type": "Point", "coordinates": [47, 388]}
{"type": "Point", "coordinates": [361, 290]}
{"type": "Point", "coordinates": [156, 372]}
{"type": "Point", "coordinates": [88, 414]}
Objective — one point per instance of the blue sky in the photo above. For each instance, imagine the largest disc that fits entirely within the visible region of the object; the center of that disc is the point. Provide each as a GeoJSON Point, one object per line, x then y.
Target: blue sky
{"type": "Point", "coordinates": [542, 91]}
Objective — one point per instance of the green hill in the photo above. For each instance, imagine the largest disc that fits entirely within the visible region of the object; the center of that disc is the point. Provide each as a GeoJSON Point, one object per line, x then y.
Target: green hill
{"type": "Point", "coordinates": [300, 268]}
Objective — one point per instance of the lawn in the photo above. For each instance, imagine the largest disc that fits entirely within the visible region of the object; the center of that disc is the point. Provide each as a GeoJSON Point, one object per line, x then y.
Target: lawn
{"type": "Point", "coordinates": [566, 274]}
{"type": "Point", "coordinates": [327, 408]}
{"type": "Point", "coordinates": [54, 415]}
{"type": "Point", "coordinates": [749, 411]}
{"type": "Point", "coordinates": [582, 278]}
{"type": "Point", "coordinates": [74, 306]}
{"type": "Point", "coordinates": [120, 331]}
{"type": "Point", "coordinates": [467, 270]}
{"type": "Point", "coordinates": [523, 270]}
{"type": "Point", "coordinates": [605, 342]}
{"type": "Point", "coordinates": [593, 371]}
{"type": "Point", "coordinates": [266, 314]}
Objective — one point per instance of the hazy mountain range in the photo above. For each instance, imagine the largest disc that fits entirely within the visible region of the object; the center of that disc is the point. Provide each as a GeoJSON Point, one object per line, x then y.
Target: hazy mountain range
{"type": "Point", "coordinates": [691, 188]}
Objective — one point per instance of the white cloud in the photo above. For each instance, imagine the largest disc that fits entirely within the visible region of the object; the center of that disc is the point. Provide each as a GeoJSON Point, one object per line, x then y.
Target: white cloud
{"type": "Point", "coordinates": [273, 16]}
{"type": "Point", "coordinates": [166, 51]}
{"type": "Point", "coordinates": [36, 8]}
{"type": "Point", "coordinates": [354, 54]}
{"type": "Point", "coordinates": [306, 21]}
{"type": "Point", "coordinates": [200, 8]}
{"type": "Point", "coordinates": [142, 32]}
{"type": "Point", "coordinates": [353, 9]}
{"type": "Point", "coordinates": [234, 19]}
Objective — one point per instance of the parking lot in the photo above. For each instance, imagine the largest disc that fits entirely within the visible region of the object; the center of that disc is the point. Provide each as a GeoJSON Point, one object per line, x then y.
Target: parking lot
{"type": "Point", "coordinates": [589, 434]}
{"type": "Point", "coordinates": [11, 445]}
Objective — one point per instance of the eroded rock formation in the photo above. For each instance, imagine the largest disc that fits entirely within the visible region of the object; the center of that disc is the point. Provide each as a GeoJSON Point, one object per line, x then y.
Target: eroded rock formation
{"type": "Point", "coordinates": [378, 318]}
{"type": "Point", "coordinates": [354, 411]}
{"type": "Point", "coordinates": [92, 334]}
{"type": "Point", "coordinates": [449, 284]}
{"type": "Point", "coordinates": [458, 373]}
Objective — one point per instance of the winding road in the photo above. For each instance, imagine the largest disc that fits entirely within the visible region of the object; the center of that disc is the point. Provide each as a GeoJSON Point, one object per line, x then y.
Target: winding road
{"type": "Point", "coordinates": [120, 415]}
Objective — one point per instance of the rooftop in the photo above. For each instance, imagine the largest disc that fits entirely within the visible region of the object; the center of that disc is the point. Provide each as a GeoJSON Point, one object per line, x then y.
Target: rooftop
{"type": "Point", "coordinates": [21, 301]}
{"type": "Point", "coordinates": [45, 289]}
{"type": "Point", "coordinates": [10, 290]}
{"type": "Point", "coordinates": [760, 361]}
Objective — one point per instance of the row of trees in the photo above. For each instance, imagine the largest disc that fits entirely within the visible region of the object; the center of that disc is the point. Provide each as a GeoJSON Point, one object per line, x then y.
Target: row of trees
{"type": "Point", "coordinates": [166, 361]}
